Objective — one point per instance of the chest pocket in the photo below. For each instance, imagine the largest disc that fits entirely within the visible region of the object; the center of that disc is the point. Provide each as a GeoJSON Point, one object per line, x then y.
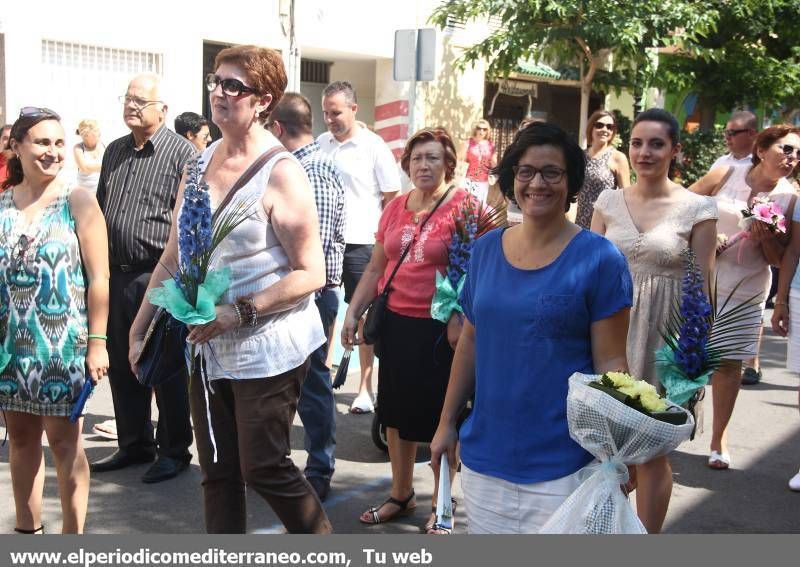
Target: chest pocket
{"type": "Point", "coordinates": [554, 316]}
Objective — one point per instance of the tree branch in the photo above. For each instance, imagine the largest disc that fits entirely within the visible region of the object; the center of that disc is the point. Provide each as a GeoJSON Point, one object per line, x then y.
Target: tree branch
{"type": "Point", "coordinates": [587, 52]}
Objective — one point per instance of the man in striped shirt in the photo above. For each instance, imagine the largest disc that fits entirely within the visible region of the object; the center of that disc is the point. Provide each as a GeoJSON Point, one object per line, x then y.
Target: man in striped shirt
{"type": "Point", "coordinates": [290, 122]}
{"type": "Point", "coordinates": [137, 190]}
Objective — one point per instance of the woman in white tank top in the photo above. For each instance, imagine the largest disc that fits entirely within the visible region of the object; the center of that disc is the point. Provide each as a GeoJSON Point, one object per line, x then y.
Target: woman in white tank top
{"type": "Point", "coordinates": [775, 155]}
{"type": "Point", "coordinates": [255, 352]}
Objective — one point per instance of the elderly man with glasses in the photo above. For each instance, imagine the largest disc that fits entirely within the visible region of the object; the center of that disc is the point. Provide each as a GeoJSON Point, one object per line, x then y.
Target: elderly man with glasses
{"type": "Point", "coordinates": [137, 190]}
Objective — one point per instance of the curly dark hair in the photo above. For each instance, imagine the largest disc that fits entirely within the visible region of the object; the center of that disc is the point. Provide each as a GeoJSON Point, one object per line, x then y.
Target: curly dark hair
{"type": "Point", "coordinates": [543, 134]}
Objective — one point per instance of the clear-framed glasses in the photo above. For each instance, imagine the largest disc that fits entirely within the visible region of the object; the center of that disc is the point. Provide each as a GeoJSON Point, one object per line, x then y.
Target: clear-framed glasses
{"type": "Point", "coordinates": [604, 125]}
{"type": "Point", "coordinates": [550, 173]}
{"type": "Point", "coordinates": [27, 111]}
{"type": "Point", "coordinates": [136, 101]}
{"type": "Point", "coordinates": [789, 151]}
{"type": "Point", "coordinates": [230, 87]}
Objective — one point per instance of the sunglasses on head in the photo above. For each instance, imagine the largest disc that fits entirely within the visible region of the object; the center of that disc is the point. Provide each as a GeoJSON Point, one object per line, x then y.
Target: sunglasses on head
{"type": "Point", "coordinates": [36, 111]}
{"type": "Point", "coordinates": [230, 87]}
{"type": "Point", "coordinates": [602, 125]}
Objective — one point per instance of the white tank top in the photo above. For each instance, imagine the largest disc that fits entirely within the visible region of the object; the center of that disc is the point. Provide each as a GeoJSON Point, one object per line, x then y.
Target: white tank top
{"type": "Point", "coordinates": [282, 341]}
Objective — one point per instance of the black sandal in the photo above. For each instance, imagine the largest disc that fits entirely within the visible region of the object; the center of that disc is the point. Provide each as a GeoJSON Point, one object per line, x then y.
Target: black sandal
{"type": "Point", "coordinates": [403, 506]}
{"type": "Point", "coordinates": [39, 530]}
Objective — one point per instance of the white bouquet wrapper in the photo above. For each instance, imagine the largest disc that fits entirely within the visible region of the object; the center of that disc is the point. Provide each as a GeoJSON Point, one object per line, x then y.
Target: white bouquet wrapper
{"type": "Point", "coordinates": [617, 435]}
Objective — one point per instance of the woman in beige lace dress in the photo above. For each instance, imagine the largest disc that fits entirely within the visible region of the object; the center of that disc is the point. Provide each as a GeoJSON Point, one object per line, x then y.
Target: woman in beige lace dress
{"type": "Point", "coordinates": [652, 222]}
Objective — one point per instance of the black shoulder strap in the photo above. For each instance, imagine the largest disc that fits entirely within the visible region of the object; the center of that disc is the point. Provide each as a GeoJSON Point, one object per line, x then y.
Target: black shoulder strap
{"type": "Point", "coordinates": [248, 174]}
{"type": "Point", "coordinates": [410, 244]}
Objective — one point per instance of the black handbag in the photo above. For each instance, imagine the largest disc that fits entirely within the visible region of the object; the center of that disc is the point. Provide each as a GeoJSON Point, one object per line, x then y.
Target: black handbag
{"type": "Point", "coordinates": [163, 355]}
{"type": "Point", "coordinates": [376, 312]}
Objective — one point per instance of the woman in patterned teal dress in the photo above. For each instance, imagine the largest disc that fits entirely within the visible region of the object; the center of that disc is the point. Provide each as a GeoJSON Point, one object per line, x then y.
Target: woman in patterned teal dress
{"type": "Point", "coordinates": [53, 314]}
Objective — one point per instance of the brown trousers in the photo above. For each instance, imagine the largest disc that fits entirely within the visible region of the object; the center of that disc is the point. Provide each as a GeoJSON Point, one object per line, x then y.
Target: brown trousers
{"type": "Point", "coordinates": [251, 423]}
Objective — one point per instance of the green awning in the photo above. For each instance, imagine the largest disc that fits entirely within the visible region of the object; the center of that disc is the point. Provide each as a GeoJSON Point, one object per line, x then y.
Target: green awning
{"type": "Point", "coordinates": [536, 70]}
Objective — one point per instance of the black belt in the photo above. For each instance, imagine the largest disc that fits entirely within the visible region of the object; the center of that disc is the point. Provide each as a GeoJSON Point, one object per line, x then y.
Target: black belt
{"type": "Point", "coordinates": [140, 267]}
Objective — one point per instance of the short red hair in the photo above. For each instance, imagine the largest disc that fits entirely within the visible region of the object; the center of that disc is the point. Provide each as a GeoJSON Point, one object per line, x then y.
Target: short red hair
{"type": "Point", "coordinates": [437, 134]}
{"type": "Point", "coordinates": [264, 70]}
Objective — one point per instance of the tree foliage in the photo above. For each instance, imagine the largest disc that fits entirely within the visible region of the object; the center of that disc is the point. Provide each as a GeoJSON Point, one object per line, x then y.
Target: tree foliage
{"type": "Point", "coordinates": [581, 32]}
{"type": "Point", "coordinates": [752, 56]}
{"type": "Point", "coordinates": [571, 30]}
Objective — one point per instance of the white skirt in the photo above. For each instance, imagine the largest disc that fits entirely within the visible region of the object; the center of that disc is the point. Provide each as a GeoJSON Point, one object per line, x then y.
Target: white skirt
{"type": "Point", "coordinates": [793, 346]}
{"type": "Point", "coordinates": [497, 506]}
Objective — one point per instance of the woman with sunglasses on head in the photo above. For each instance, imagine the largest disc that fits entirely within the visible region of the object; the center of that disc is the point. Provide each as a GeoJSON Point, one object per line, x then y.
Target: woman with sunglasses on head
{"type": "Point", "coordinates": [244, 393]}
{"type": "Point", "coordinates": [53, 315]}
{"type": "Point", "coordinates": [652, 222]}
{"type": "Point", "coordinates": [746, 263]}
{"type": "Point", "coordinates": [542, 300]}
{"type": "Point", "coordinates": [480, 157]}
{"type": "Point", "coordinates": [606, 167]}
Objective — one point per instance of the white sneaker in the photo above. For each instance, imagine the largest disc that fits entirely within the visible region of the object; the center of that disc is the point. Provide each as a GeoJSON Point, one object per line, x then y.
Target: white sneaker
{"type": "Point", "coordinates": [794, 482]}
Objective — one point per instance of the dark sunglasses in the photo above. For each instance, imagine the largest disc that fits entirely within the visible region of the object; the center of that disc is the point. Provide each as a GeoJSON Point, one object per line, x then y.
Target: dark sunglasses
{"type": "Point", "coordinates": [602, 125]}
{"type": "Point", "coordinates": [732, 133]}
{"type": "Point", "coordinates": [789, 151]}
{"type": "Point", "coordinates": [230, 87]}
{"type": "Point", "coordinates": [36, 111]}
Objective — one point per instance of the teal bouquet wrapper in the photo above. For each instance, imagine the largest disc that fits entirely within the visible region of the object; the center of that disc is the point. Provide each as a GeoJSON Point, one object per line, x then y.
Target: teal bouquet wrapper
{"type": "Point", "coordinates": [445, 298]}
{"type": "Point", "coordinates": [680, 388]}
{"type": "Point", "coordinates": [171, 298]}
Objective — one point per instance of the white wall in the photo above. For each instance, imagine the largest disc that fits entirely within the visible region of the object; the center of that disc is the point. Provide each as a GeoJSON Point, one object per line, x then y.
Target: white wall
{"type": "Point", "coordinates": [360, 74]}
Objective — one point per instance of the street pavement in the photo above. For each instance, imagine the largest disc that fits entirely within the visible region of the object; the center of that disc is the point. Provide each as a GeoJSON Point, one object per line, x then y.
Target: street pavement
{"type": "Point", "coordinates": [751, 497]}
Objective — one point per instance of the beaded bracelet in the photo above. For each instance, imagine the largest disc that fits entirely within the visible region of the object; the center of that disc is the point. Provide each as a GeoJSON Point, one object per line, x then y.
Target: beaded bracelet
{"type": "Point", "coordinates": [249, 312]}
{"type": "Point", "coordinates": [101, 337]}
{"type": "Point", "coordinates": [238, 312]}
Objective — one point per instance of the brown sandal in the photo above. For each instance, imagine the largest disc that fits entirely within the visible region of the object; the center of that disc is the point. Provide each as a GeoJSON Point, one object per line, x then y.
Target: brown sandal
{"type": "Point", "coordinates": [403, 506]}
{"type": "Point", "coordinates": [432, 525]}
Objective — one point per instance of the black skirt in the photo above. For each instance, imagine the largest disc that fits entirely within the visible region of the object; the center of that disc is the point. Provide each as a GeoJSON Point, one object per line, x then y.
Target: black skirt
{"type": "Point", "coordinates": [413, 373]}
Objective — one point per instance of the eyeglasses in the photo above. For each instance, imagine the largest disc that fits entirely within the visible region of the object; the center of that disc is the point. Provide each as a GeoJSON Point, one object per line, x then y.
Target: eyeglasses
{"type": "Point", "coordinates": [137, 101]}
{"type": "Point", "coordinates": [29, 111]}
{"type": "Point", "coordinates": [230, 87]}
{"type": "Point", "coordinates": [604, 125]}
{"type": "Point", "coordinates": [789, 151]}
{"type": "Point", "coordinates": [732, 133]}
{"type": "Point", "coordinates": [550, 174]}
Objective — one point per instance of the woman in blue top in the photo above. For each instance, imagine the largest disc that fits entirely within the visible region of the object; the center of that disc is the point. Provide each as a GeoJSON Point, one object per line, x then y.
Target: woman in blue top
{"type": "Point", "coordinates": [542, 300]}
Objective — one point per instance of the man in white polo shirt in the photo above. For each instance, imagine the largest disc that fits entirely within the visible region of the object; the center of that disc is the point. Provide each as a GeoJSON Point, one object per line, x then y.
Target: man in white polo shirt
{"type": "Point", "coordinates": [371, 179]}
{"type": "Point", "coordinates": [740, 134]}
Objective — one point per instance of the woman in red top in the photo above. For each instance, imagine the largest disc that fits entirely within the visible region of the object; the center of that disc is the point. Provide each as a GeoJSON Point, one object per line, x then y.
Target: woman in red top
{"type": "Point", "coordinates": [416, 350]}
{"type": "Point", "coordinates": [480, 155]}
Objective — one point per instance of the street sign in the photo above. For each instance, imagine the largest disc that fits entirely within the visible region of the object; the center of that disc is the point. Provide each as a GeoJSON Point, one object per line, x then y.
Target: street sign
{"type": "Point", "coordinates": [405, 55]}
{"type": "Point", "coordinates": [426, 54]}
{"type": "Point", "coordinates": [414, 55]}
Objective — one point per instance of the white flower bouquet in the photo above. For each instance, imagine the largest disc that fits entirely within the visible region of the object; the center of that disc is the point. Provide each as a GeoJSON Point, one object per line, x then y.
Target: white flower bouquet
{"type": "Point", "coordinates": [621, 421]}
